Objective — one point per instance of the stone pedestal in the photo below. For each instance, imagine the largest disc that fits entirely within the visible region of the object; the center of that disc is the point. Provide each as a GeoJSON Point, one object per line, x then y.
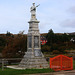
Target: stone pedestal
{"type": "Point", "coordinates": [33, 58]}
{"type": "Point", "coordinates": [31, 62]}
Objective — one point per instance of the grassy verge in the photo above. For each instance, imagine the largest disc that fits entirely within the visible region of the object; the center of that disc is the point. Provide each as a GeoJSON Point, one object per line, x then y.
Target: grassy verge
{"type": "Point", "coordinates": [74, 64]}
{"type": "Point", "coordinates": [27, 71]}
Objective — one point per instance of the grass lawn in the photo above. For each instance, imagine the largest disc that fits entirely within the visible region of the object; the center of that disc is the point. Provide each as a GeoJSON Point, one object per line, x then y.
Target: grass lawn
{"type": "Point", "coordinates": [74, 64]}
{"type": "Point", "coordinates": [8, 71]}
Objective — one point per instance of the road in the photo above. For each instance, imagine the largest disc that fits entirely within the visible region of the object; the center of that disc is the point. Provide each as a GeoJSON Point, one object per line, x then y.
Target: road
{"type": "Point", "coordinates": [64, 74]}
{"type": "Point", "coordinates": [70, 74]}
{"type": "Point", "coordinates": [52, 74]}
{"type": "Point", "coordinates": [56, 73]}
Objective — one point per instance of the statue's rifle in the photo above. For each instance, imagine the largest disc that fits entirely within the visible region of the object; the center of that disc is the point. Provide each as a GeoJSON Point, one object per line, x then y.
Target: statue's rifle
{"type": "Point", "coordinates": [35, 7]}
{"type": "Point", "coordinates": [38, 5]}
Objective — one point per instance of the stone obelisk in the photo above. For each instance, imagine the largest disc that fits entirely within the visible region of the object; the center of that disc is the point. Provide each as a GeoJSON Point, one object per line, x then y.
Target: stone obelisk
{"type": "Point", "coordinates": [33, 58]}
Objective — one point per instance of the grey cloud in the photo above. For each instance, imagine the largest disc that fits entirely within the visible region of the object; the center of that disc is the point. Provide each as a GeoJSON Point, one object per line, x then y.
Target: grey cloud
{"type": "Point", "coordinates": [72, 9]}
{"type": "Point", "coordinates": [70, 23]}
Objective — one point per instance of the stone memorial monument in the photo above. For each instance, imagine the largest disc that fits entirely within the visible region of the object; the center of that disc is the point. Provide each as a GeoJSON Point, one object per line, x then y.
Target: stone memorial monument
{"type": "Point", "coordinates": [33, 58]}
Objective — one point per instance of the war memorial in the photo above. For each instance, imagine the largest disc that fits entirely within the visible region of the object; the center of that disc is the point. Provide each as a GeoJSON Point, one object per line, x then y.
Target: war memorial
{"type": "Point", "coordinates": [33, 58]}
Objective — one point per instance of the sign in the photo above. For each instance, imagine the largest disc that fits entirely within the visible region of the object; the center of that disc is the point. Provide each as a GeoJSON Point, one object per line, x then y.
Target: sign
{"type": "Point", "coordinates": [37, 52]}
{"type": "Point", "coordinates": [36, 41]}
{"type": "Point", "coordinates": [29, 41]}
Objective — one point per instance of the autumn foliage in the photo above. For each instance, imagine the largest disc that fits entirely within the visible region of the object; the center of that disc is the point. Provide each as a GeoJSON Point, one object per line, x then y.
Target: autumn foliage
{"type": "Point", "coordinates": [15, 46]}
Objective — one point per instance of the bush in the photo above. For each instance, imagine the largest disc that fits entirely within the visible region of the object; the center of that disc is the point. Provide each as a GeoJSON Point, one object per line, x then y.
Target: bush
{"type": "Point", "coordinates": [45, 48]}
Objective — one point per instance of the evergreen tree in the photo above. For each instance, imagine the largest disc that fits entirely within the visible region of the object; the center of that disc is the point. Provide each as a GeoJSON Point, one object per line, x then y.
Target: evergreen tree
{"type": "Point", "coordinates": [8, 34]}
{"type": "Point", "coordinates": [50, 37]}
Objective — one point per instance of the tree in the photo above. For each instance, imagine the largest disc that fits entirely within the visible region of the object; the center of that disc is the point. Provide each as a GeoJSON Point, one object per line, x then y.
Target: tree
{"type": "Point", "coordinates": [45, 48]}
{"type": "Point", "coordinates": [50, 37]}
{"type": "Point", "coordinates": [2, 43]}
{"type": "Point", "coordinates": [8, 34]}
{"type": "Point", "coordinates": [15, 48]}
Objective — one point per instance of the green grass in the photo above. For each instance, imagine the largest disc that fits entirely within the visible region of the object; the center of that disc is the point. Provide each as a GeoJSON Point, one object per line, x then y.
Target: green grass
{"type": "Point", "coordinates": [8, 71]}
{"type": "Point", "coordinates": [74, 64]}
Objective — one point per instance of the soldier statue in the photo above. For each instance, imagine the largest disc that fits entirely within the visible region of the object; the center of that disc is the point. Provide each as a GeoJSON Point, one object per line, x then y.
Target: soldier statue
{"type": "Point", "coordinates": [33, 11]}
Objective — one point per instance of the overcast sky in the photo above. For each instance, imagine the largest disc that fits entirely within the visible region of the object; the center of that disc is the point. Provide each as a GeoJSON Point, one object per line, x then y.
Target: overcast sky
{"type": "Point", "coordinates": [58, 15]}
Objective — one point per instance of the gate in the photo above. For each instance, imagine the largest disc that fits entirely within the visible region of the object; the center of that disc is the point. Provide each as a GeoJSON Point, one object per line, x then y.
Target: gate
{"type": "Point", "coordinates": [61, 62]}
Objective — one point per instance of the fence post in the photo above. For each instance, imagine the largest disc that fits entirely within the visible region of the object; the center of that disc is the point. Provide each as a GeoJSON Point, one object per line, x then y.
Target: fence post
{"type": "Point", "coordinates": [2, 64]}
{"type": "Point", "coordinates": [49, 62]}
{"type": "Point", "coordinates": [71, 63]}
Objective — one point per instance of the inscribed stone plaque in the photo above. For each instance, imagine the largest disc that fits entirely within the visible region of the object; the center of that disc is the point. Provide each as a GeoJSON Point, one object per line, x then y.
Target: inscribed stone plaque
{"type": "Point", "coordinates": [37, 52]}
{"type": "Point", "coordinates": [29, 41]}
{"type": "Point", "coordinates": [36, 41]}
